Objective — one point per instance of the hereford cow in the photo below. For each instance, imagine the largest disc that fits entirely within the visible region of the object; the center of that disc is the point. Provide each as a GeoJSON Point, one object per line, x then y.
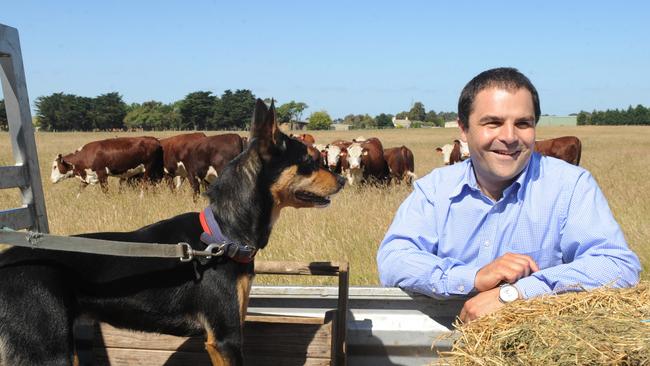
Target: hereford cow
{"type": "Point", "coordinates": [122, 157]}
{"type": "Point", "coordinates": [453, 153]}
{"type": "Point", "coordinates": [366, 160]}
{"type": "Point", "coordinates": [209, 156]}
{"type": "Point", "coordinates": [334, 150]}
{"type": "Point", "coordinates": [567, 148]}
{"type": "Point", "coordinates": [176, 150]}
{"type": "Point", "coordinates": [401, 164]}
{"type": "Point", "coordinates": [306, 138]}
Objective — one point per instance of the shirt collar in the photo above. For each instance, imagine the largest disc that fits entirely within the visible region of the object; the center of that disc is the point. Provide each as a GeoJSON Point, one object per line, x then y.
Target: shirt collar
{"type": "Point", "coordinates": [468, 179]}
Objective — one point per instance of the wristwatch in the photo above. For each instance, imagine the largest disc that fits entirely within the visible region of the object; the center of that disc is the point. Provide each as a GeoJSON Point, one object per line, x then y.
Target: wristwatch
{"type": "Point", "coordinates": [508, 293]}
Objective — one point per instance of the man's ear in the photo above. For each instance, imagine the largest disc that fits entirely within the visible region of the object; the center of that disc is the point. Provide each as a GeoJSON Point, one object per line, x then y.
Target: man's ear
{"type": "Point", "coordinates": [463, 132]}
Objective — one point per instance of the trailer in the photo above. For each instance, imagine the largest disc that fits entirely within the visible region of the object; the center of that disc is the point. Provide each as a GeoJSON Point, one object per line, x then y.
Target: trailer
{"type": "Point", "coordinates": [285, 325]}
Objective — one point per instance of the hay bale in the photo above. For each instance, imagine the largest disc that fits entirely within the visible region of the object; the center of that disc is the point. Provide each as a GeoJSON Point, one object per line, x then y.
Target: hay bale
{"type": "Point", "coordinates": [600, 327]}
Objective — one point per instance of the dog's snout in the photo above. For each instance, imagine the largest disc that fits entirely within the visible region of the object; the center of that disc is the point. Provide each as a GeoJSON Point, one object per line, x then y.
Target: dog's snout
{"type": "Point", "coordinates": [340, 180]}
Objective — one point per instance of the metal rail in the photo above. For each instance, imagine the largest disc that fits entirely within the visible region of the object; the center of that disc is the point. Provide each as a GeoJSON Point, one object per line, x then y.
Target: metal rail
{"type": "Point", "coordinates": [25, 174]}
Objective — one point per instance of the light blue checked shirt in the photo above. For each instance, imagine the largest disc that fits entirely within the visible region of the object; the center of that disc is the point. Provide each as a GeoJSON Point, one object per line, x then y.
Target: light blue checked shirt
{"type": "Point", "coordinates": [447, 230]}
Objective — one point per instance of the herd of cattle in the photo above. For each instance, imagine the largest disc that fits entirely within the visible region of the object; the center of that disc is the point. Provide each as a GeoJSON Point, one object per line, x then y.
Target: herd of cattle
{"type": "Point", "coordinates": [201, 158]}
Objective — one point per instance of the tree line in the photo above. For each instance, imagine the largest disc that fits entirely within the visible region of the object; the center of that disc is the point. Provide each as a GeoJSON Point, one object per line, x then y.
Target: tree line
{"type": "Point", "coordinates": [638, 115]}
{"type": "Point", "coordinates": [232, 111]}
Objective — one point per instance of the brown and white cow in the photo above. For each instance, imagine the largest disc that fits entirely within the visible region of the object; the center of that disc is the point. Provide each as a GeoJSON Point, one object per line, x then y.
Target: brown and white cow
{"type": "Point", "coordinates": [176, 150]}
{"type": "Point", "coordinates": [334, 151]}
{"type": "Point", "coordinates": [208, 157]}
{"type": "Point", "coordinates": [400, 164]}
{"type": "Point", "coordinates": [453, 153]}
{"type": "Point", "coordinates": [366, 160]}
{"type": "Point", "coordinates": [306, 138]}
{"type": "Point", "coordinates": [567, 148]}
{"type": "Point", "coordinates": [122, 157]}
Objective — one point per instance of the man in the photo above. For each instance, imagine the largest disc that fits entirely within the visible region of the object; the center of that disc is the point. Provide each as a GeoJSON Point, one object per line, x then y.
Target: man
{"type": "Point", "coordinates": [508, 223]}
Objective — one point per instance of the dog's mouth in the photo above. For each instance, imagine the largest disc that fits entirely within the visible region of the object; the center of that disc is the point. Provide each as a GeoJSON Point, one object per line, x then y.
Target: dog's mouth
{"type": "Point", "coordinates": [317, 200]}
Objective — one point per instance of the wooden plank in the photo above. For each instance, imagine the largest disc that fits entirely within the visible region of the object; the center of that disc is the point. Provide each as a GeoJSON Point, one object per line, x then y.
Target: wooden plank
{"type": "Point", "coordinates": [284, 319]}
{"type": "Point", "coordinates": [12, 177]}
{"type": "Point", "coordinates": [132, 357]}
{"type": "Point", "coordinates": [297, 268]}
{"type": "Point", "coordinates": [129, 357]}
{"type": "Point", "coordinates": [16, 218]}
{"type": "Point", "coordinates": [260, 338]}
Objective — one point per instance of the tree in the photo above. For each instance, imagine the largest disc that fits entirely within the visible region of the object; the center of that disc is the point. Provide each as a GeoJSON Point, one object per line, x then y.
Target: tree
{"type": "Point", "coordinates": [417, 112]}
{"type": "Point", "coordinates": [319, 121]}
{"type": "Point", "coordinates": [4, 122]}
{"type": "Point", "coordinates": [108, 111]}
{"type": "Point", "coordinates": [402, 115]}
{"type": "Point", "coordinates": [233, 111]}
{"type": "Point", "coordinates": [196, 109]}
{"type": "Point", "coordinates": [152, 115]}
{"type": "Point", "coordinates": [64, 112]}
{"type": "Point", "coordinates": [291, 111]}
{"type": "Point", "coordinates": [384, 121]}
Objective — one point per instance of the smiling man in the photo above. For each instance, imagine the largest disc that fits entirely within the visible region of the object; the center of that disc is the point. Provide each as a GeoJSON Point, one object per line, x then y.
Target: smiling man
{"type": "Point", "coordinates": [506, 224]}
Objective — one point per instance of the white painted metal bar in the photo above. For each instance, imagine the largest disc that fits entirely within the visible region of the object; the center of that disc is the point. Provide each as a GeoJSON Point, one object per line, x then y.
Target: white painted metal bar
{"type": "Point", "coordinates": [21, 131]}
{"type": "Point", "coordinates": [12, 176]}
{"type": "Point", "coordinates": [385, 326]}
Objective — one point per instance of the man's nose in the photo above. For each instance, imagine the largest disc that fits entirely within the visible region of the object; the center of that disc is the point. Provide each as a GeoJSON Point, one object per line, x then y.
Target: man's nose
{"type": "Point", "coordinates": [507, 133]}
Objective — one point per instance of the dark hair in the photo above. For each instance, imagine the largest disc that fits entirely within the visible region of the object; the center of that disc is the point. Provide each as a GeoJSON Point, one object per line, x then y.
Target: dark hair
{"type": "Point", "coordinates": [503, 77]}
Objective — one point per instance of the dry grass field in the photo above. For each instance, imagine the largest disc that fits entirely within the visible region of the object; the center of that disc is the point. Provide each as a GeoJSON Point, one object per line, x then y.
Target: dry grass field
{"type": "Point", "coordinates": [354, 224]}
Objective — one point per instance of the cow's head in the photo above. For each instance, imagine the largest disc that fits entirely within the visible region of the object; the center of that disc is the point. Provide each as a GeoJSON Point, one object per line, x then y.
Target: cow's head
{"type": "Point", "coordinates": [61, 169]}
{"type": "Point", "coordinates": [354, 155]}
{"type": "Point", "coordinates": [333, 154]}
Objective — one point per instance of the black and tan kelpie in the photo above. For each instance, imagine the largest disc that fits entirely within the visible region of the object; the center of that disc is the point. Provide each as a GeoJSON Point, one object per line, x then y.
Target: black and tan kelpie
{"type": "Point", "coordinates": [42, 292]}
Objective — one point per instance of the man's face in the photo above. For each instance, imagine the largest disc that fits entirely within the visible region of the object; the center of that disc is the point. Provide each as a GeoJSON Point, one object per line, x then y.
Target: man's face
{"type": "Point", "coordinates": [501, 136]}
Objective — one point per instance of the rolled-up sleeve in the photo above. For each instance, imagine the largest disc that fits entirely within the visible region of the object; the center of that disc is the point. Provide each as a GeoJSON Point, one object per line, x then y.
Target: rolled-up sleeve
{"type": "Point", "coordinates": [594, 249]}
{"type": "Point", "coordinates": [406, 257]}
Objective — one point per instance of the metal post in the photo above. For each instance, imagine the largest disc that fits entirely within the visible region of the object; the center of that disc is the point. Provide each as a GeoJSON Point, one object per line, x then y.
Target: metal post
{"type": "Point", "coordinates": [25, 174]}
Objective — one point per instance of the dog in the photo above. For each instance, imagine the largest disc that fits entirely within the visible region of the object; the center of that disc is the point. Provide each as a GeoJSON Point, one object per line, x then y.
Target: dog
{"type": "Point", "coordinates": [43, 292]}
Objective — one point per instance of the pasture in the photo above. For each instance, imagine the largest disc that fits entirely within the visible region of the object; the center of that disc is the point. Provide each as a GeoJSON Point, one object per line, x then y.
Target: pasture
{"type": "Point", "coordinates": [353, 225]}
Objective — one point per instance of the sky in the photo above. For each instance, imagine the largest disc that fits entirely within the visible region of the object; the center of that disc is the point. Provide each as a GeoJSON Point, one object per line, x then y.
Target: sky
{"type": "Point", "coordinates": [344, 57]}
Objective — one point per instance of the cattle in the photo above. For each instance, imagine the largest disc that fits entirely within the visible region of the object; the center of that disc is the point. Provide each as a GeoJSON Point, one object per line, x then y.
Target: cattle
{"type": "Point", "coordinates": [401, 164]}
{"type": "Point", "coordinates": [366, 160]}
{"type": "Point", "coordinates": [176, 150]}
{"type": "Point", "coordinates": [209, 156]}
{"type": "Point", "coordinates": [334, 150]}
{"type": "Point", "coordinates": [322, 149]}
{"type": "Point", "coordinates": [567, 148]}
{"type": "Point", "coordinates": [122, 157]}
{"type": "Point", "coordinates": [307, 139]}
{"type": "Point", "coordinates": [453, 153]}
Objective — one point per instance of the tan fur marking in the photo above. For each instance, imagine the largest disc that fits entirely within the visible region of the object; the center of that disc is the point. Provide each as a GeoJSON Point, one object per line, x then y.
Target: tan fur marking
{"type": "Point", "coordinates": [244, 283]}
{"type": "Point", "coordinates": [321, 182]}
{"type": "Point", "coordinates": [216, 357]}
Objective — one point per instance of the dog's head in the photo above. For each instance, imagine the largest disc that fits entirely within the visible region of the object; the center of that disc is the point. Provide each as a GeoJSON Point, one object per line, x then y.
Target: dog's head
{"type": "Point", "coordinates": [296, 178]}
{"type": "Point", "coordinates": [275, 171]}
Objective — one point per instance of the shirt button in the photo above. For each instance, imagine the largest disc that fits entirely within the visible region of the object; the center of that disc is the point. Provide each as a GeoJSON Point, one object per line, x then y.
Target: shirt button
{"type": "Point", "coordinates": [461, 288]}
{"type": "Point", "coordinates": [487, 243]}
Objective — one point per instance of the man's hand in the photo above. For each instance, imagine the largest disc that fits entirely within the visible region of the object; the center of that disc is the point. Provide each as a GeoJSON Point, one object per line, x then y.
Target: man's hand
{"type": "Point", "coordinates": [508, 268]}
{"type": "Point", "coordinates": [482, 304]}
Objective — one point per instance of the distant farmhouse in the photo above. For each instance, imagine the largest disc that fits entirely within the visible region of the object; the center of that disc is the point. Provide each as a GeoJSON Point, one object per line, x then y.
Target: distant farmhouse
{"type": "Point", "coordinates": [340, 127]}
{"type": "Point", "coordinates": [294, 126]}
{"type": "Point", "coordinates": [545, 121]}
{"type": "Point", "coordinates": [451, 124]}
{"type": "Point", "coordinates": [401, 123]}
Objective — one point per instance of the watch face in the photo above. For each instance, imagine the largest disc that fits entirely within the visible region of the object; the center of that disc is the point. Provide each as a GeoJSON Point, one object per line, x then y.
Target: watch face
{"type": "Point", "coordinates": [508, 293]}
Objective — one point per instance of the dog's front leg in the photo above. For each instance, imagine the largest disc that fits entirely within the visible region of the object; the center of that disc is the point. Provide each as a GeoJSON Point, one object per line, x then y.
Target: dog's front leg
{"type": "Point", "coordinates": [226, 351]}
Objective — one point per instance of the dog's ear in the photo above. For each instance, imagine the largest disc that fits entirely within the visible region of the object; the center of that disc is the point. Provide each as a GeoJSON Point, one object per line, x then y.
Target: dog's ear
{"type": "Point", "coordinates": [264, 127]}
